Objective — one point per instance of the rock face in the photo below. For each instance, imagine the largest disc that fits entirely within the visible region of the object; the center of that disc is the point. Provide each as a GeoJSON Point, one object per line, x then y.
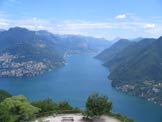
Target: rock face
{"type": "Point", "coordinates": [137, 68]}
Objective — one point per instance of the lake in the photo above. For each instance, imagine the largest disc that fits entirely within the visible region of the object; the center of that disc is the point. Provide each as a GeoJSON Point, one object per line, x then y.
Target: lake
{"type": "Point", "coordinates": [74, 82]}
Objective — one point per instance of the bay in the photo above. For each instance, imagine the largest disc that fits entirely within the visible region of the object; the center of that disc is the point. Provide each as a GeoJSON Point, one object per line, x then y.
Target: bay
{"type": "Point", "coordinates": [74, 82]}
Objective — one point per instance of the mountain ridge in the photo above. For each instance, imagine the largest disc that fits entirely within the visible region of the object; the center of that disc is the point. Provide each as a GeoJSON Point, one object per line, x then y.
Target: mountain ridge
{"type": "Point", "coordinates": [136, 69]}
{"type": "Point", "coordinates": [28, 53]}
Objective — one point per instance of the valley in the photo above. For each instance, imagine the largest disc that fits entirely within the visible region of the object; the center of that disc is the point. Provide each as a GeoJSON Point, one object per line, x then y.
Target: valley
{"type": "Point", "coordinates": [65, 62]}
{"type": "Point", "coordinates": [80, 60]}
{"type": "Point", "coordinates": [29, 53]}
{"type": "Point", "coordinates": [74, 84]}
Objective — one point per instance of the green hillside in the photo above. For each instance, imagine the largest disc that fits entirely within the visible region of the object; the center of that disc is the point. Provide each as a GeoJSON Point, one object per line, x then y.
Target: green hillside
{"type": "Point", "coordinates": [137, 68]}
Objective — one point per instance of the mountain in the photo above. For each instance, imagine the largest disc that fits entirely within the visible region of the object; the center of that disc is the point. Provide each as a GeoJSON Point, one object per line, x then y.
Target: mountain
{"type": "Point", "coordinates": [110, 52]}
{"type": "Point", "coordinates": [1, 30]}
{"type": "Point", "coordinates": [83, 44]}
{"type": "Point", "coordinates": [128, 63]}
{"type": "Point", "coordinates": [26, 53]}
{"type": "Point", "coordinates": [137, 39]}
{"type": "Point", "coordinates": [137, 69]}
{"type": "Point", "coordinates": [72, 44]}
{"type": "Point", "coordinates": [115, 40]}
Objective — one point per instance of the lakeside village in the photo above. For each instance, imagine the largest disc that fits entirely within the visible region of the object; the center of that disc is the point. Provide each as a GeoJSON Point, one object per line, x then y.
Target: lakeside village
{"type": "Point", "coordinates": [10, 68]}
{"type": "Point", "coordinates": [150, 90]}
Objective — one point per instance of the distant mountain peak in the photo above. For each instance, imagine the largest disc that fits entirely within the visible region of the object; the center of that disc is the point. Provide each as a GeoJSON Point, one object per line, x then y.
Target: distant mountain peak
{"type": "Point", "coordinates": [123, 40]}
{"type": "Point", "coordinates": [18, 29]}
{"type": "Point", "coordinates": [115, 40]}
{"type": "Point", "coordinates": [137, 39]}
{"type": "Point", "coordinates": [160, 38]}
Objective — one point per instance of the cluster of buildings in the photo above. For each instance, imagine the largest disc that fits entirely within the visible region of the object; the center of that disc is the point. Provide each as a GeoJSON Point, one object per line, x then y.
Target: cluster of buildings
{"type": "Point", "coordinates": [150, 90]}
{"type": "Point", "coordinates": [10, 68]}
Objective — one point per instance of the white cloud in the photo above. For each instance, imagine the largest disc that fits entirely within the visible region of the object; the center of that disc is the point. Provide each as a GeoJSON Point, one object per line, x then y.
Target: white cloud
{"type": "Point", "coordinates": [108, 29]}
{"type": "Point", "coordinates": [4, 23]}
{"type": "Point", "coordinates": [121, 16]}
{"type": "Point", "coordinates": [149, 26]}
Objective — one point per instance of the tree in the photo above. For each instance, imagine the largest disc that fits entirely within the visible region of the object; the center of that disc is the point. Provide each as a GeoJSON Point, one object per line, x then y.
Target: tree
{"type": "Point", "coordinates": [46, 105]}
{"type": "Point", "coordinates": [4, 95]}
{"type": "Point", "coordinates": [97, 105]}
{"type": "Point", "coordinates": [62, 106]}
{"type": "Point", "coordinates": [16, 109]}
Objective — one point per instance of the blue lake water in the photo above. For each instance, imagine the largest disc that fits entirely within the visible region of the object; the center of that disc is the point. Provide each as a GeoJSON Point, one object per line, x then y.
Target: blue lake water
{"type": "Point", "coordinates": [74, 82]}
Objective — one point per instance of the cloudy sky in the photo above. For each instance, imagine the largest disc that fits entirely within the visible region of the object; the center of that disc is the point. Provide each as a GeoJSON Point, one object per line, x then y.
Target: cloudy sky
{"type": "Point", "coordinates": [99, 18]}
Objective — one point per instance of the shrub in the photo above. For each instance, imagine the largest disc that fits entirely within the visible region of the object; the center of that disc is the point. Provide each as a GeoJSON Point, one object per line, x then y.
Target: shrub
{"type": "Point", "coordinates": [98, 105]}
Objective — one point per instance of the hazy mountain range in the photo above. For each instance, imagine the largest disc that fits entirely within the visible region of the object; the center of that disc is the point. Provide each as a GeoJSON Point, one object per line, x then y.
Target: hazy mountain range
{"type": "Point", "coordinates": [28, 53]}
{"type": "Point", "coordinates": [135, 65]}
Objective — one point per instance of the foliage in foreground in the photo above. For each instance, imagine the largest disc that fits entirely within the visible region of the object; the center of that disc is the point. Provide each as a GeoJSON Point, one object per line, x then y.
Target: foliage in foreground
{"type": "Point", "coordinates": [48, 106]}
{"type": "Point", "coordinates": [45, 105]}
{"type": "Point", "coordinates": [16, 109]}
{"type": "Point", "coordinates": [19, 109]}
{"type": "Point", "coordinates": [4, 95]}
{"type": "Point", "coordinates": [97, 105]}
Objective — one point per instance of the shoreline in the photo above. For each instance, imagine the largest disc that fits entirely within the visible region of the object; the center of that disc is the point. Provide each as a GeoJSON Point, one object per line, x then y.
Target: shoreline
{"type": "Point", "coordinates": [138, 96]}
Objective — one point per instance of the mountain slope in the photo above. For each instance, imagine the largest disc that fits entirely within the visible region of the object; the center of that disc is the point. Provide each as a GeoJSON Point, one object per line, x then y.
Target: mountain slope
{"type": "Point", "coordinates": [117, 47]}
{"type": "Point", "coordinates": [128, 53]}
{"type": "Point", "coordinates": [83, 44]}
{"type": "Point", "coordinates": [72, 44]}
{"type": "Point", "coordinates": [132, 62]}
{"type": "Point", "coordinates": [137, 69]}
{"type": "Point", "coordinates": [26, 53]}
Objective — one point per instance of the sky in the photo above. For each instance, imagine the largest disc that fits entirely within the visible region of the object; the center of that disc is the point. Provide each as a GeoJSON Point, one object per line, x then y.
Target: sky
{"type": "Point", "coordinates": [99, 18]}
